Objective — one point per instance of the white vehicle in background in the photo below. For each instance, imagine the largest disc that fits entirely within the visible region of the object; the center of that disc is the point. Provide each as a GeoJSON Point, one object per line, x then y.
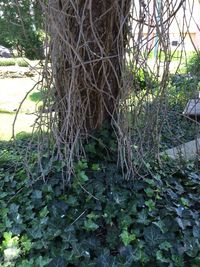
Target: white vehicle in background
{"type": "Point", "coordinates": [5, 52]}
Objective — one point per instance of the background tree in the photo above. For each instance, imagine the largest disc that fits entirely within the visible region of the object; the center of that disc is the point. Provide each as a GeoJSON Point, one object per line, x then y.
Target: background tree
{"type": "Point", "coordinates": [21, 27]}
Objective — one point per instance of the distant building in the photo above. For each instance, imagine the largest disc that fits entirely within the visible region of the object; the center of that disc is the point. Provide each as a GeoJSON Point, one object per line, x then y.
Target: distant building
{"type": "Point", "coordinates": [182, 30]}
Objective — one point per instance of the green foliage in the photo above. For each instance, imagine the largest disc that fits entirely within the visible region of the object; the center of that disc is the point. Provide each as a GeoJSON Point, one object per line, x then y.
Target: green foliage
{"type": "Point", "coordinates": [20, 27]}
{"type": "Point", "coordinates": [36, 96]}
{"type": "Point", "coordinates": [172, 128]}
{"type": "Point", "coordinates": [22, 62]}
{"type": "Point", "coordinates": [127, 238]}
{"type": "Point", "coordinates": [100, 219]}
{"type": "Point", "coordinates": [141, 79]}
{"type": "Point", "coordinates": [7, 62]}
{"type": "Point", "coordinates": [14, 246]}
{"type": "Point", "coordinates": [101, 148]}
{"type": "Point", "coordinates": [181, 89]}
{"type": "Point", "coordinates": [193, 64]}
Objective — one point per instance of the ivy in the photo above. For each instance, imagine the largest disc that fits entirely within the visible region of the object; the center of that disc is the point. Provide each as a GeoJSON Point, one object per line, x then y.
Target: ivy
{"type": "Point", "coordinates": [100, 220]}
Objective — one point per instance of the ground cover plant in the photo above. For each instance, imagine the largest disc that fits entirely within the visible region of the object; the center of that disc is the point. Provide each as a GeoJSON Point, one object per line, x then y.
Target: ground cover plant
{"type": "Point", "coordinates": [93, 216]}
{"type": "Point", "coordinates": [99, 219]}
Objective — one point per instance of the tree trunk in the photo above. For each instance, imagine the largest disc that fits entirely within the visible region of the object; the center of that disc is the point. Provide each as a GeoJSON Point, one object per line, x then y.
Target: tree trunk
{"type": "Point", "coordinates": [88, 41]}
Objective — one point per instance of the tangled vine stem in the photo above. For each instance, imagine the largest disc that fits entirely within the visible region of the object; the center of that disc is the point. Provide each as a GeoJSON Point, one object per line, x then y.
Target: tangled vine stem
{"type": "Point", "coordinates": [98, 48]}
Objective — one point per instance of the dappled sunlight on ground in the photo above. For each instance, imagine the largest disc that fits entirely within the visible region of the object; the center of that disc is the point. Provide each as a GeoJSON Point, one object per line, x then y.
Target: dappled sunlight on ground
{"type": "Point", "coordinates": [24, 123]}
{"type": "Point", "coordinates": [12, 92]}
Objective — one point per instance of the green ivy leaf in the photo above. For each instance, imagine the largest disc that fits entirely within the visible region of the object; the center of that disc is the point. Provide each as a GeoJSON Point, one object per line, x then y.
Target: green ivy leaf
{"type": "Point", "coordinates": [82, 176]}
{"type": "Point", "coordinates": [26, 263]}
{"type": "Point", "coordinates": [150, 181]}
{"type": "Point", "coordinates": [185, 202]}
{"type": "Point", "coordinates": [14, 208]}
{"type": "Point", "coordinates": [150, 204]}
{"type": "Point", "coordinates": [95, 167]}
{"type": "Point", "coordinates": [36, 232]}
{"type": "Point", "coordinates": [142, 217]}
{"type": "Point", "coordinates": [196, 231]}
{"type": "Point", "coordinates": [92, 216]}
{"type": "Point", "coordinates": [126, 222]}
{"type": "Point", "coordinates": [153, 235]}
{"type": "Point", "coordinates": [81, 165]}
{"type": "Point", "coordinates": [133, 255]}
{"type": "Point", "coordinates": [161, 225]}
{"type": "Point", "coordinates": [25, 243]}
{"type": "Point", "coordinates": [178, 260]}
{"type": "Point", "coordinates": [57, 262]}
{"type": "Point", "coordinates": [127, 238]}
{"type": "Point", "coordinates": [90, 148]}
{"type": "Point", "coordinates": [3, 195]}
{"type": "Point", "coordinates": [165, 246]}
{"type": "Point", "coordinates": [106, 260]}
{"type": "Point", "coordinates": [160, 257]}
{"type": "Point", "coordinates": [44, 212]}
{"type": "Point", "coordinates": [112, 237]}
{"type": "Point", "coordinates": [72, 200]}
{"type": "Point", "coordinates": [41, 261]}
{"type": "Point", "coordinates": [150, 192]}
{"type": "Point", "coordinates": [89, 225]}
{"type": "Point", "coordinates": [10, 241]}
{"type": "Point", "coordinates": [7, 222]}
{"type": "Point", "coordinates": [37, 194]}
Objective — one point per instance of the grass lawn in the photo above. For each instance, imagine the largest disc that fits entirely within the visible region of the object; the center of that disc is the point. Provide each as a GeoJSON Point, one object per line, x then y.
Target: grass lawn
{"type": "Point", "coordinates": [23, 124]}
{"type": "Point", "coordinates": [12, 91]}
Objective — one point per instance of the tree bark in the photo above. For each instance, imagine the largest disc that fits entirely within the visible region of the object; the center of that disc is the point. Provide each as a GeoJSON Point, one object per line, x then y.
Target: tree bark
{"type": "Point", "coordinates": [88, 41]}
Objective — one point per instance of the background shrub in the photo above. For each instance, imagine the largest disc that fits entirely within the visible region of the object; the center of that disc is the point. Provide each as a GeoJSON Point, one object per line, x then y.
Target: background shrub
{"type": "Point", "coordinates": [7, 62]}
{"type": "Point", "coordinates": [22, 62]}
{"type": "Point", "coordinates": [193, 65]}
